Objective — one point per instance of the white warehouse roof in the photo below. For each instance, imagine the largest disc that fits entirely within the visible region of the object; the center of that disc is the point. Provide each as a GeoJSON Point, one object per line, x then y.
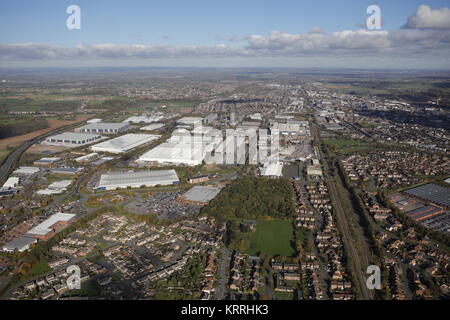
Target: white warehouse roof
{"type": "Point", "coordinates": [44, 227]}
{"type": "Point", "coordinates": [138, 179]}
{"type": "Point", "coordinates": [153, 126]}
{"type": "Point", "coordinates": [190, 120]}
{"type": "Point", "coordinates": [12, 182]}
{"type": "Point", "coordinates": [177, 153]}
{"type": "Point", "coordinates": [124, 143]}
{"type": "Point", "coordinates": [27, 170]}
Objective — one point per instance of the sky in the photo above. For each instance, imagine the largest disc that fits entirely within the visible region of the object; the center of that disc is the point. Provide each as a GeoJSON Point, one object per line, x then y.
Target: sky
{"type": "Point", "coordinates": [264, 33]}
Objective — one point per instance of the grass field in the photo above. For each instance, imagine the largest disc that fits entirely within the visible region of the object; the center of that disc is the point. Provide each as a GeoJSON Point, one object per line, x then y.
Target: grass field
{"type": "Point", "coordinates": [272, 237]}
{"type": "Point", "coordinates": [39, 268]}
{"type": "Point", "coordinates": [346, 146]}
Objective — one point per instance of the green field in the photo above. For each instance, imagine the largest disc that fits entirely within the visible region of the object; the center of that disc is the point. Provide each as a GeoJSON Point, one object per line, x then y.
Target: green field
{"type": "Point", "coordinates": [272, 237]}
{"type": "Point", "coordinates": [346, 146]}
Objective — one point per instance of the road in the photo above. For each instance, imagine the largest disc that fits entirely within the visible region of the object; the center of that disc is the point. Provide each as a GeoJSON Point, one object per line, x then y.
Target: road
{"type": "Point", "coordinates": [359, 263]}
{"type": "Point", "coordinates": [9, 161]}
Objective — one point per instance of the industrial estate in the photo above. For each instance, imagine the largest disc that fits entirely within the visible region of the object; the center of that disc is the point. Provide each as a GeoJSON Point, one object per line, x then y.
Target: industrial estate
{"type": "Point", "coordinates": [171, 150]}
{"type": "Point", "coordinates": [258, 189]}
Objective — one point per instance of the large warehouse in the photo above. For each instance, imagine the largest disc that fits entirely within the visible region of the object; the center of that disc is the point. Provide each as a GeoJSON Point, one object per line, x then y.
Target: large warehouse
{"type": "Point", "coordinates": [124, 143]}
{"type": "Point", "coordinates": [104, 127]}
{"type": "Point", "coordinates": [72, 139]}
{"type": "Point", "coordinates": [112, 181]}
{"type": "Point", "coordinates": [176, 153]}
{"type": "Point", "coordinates": [432, 193]}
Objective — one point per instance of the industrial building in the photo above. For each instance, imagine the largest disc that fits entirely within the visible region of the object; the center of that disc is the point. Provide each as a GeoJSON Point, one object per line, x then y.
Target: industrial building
{"type": "Point", "coordinates": [424, 213]}
{"type": "Point", "coordinates": [272, 169]}
{"type": "Point", "coordinates": [176, 153]}
{"type": "Point", "coordinates": [46, 162]}
{"type": "Point", "coordinates": [87, 158]}
{"type": "Point", "coordinates": [145, 119]}
{"type": "Point", "coordinates": [432, 193]}
{"type": "Point", "coordinates": [210, 118]}
{"type": "Point", "coordinates": [19, 244]}
{"type": "Point", "coordinates": [55, 188]}
{"type": "Point", "coordinates": [47, 229]}
{"type": "Point", "coordinates": [191, 121]}
{"type": "Point", "coordinates": [104, 127]}
{"type": "Point", "coordinates": [27, 170]}
{"type": "Point", "coordinates": [95, 120]}
{"type": "Point", "coordinates": [72, 139]}
{"type": "Point", "coordinates": [112, 181]}
{"type": "Point", "coordinates": [153, 126]}
{"type": "Point", "coordinates": [66, 170]}
{"type": "Point", "coordinates": [289, 128]}
{"type": "Point", "coordinates": [124, 143]}
{"type": "Point", "coordinates": [313, 171]}
{"type": "Point", "coordinates": [11, 183]}
{"type": "Point", "coordinates": [200, 195]}
{"type": "Point", "coordinates": [198, 179]}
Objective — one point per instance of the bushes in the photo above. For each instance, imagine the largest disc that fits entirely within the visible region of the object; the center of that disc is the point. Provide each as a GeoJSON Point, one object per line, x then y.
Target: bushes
{"type": "Point", "coordinates": [22, 127]}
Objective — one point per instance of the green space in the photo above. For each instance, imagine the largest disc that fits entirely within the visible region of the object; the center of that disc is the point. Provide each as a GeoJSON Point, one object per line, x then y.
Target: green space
{"type": "Point", "coordinates": [347, 146]}
{"type": "Point", "coordinates": [272, 237]}
{"type": "Point", "coordinates": [284, 295]}
{"type": "Point", "coordinates": [39, 268]}
{"type": "Point", "coordinates": [254, 198]}
{"type": "Point", "coordinates": [88, 289]}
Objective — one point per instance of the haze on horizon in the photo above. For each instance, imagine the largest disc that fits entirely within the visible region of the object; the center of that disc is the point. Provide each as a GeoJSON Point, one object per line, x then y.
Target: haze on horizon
{"type": "Point", "coordinates": [300, 34]}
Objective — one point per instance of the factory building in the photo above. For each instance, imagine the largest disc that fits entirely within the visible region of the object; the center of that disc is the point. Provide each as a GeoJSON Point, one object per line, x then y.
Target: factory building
{"type": "Point", "coordinates": [11, 183]}
{"type": "Point", "coordinates": [190, 121]}
{"type": "Point", "coordinates": [153, 126]}
{"type": "Point", "coordinates": [71, 139]}
{"type": "Point", "coordinates": [47, 229]}
{"type": "Point", "coordinates": [104, 127]}
{"type": "Point", "coordinates": [47, 162]}
{"type": "Point", "coordinates": [112, 181]}
{"type": "Point", "coordinates": [200, 195]}
{"type": "Point", "coordinates": [19, 244]}
{"type": "Point", "coordinates": [124, 143]}
{"type": "Point", "coordinates": [26, 170]}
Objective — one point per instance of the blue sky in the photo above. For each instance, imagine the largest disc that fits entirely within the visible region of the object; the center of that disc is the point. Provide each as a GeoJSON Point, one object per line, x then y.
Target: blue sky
{"type": "Point", "coordinates": [188, 23]}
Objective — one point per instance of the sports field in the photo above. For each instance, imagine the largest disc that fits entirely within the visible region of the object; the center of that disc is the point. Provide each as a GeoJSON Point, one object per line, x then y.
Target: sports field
{"type": "Point", "coordinates": [272, 237]}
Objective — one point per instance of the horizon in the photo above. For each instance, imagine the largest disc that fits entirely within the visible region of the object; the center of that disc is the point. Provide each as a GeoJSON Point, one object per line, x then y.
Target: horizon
{"type": "Point", "coordinates": [297, 34]}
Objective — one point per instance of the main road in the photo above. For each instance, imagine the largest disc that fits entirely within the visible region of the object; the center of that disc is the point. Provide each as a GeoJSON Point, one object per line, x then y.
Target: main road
{"type": "Point", "coordinates": [9, 161]}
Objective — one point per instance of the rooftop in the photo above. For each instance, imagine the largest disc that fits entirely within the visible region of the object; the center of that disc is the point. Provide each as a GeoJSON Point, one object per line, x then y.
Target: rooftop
{"type": "Point", "coordinates": [44, 227]}
{"type": "Point", "coordinates": [201, 194]}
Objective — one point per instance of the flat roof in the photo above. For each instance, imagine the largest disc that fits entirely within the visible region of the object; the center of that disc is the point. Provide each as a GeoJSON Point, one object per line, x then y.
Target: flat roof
{"type": "Point", "coordinates": [19, 243]}
{"type": "Point", "coordinates": [105, 125]}
{"type": "Point", "coordinates": [27, 170]}
{"type": "Point", "coordinates": [73, 136]}
{"type": "Point", "coordinates": [179, 153]}
{"type": "Point", "coordinates": [190, 120]}
{"type": "Point", "coordinates": [44, 227]}
{"type": "Point", "coordinates": [138, 178]}
{"type": "Point", "coordinates": [201, 194]}
{"type": "Point", "coordinates": [48, 160]}
{"type": "Point", "coordinates": [124, 143]}
{"type": "Point", "coordinates": [153, 126]}
{"type": "Point", "coordinates": [433, 193]}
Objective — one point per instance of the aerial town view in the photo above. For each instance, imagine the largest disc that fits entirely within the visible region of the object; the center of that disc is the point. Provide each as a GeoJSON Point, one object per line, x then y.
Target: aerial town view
{"type": "Point", "coordinates": [253, 166]}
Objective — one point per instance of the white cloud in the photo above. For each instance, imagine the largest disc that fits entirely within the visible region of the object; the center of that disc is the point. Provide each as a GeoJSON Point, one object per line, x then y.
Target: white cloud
{"type": "Point", "coordinates": [426, 18]}
{"type": "Point", "coordinates": [426, 37]}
